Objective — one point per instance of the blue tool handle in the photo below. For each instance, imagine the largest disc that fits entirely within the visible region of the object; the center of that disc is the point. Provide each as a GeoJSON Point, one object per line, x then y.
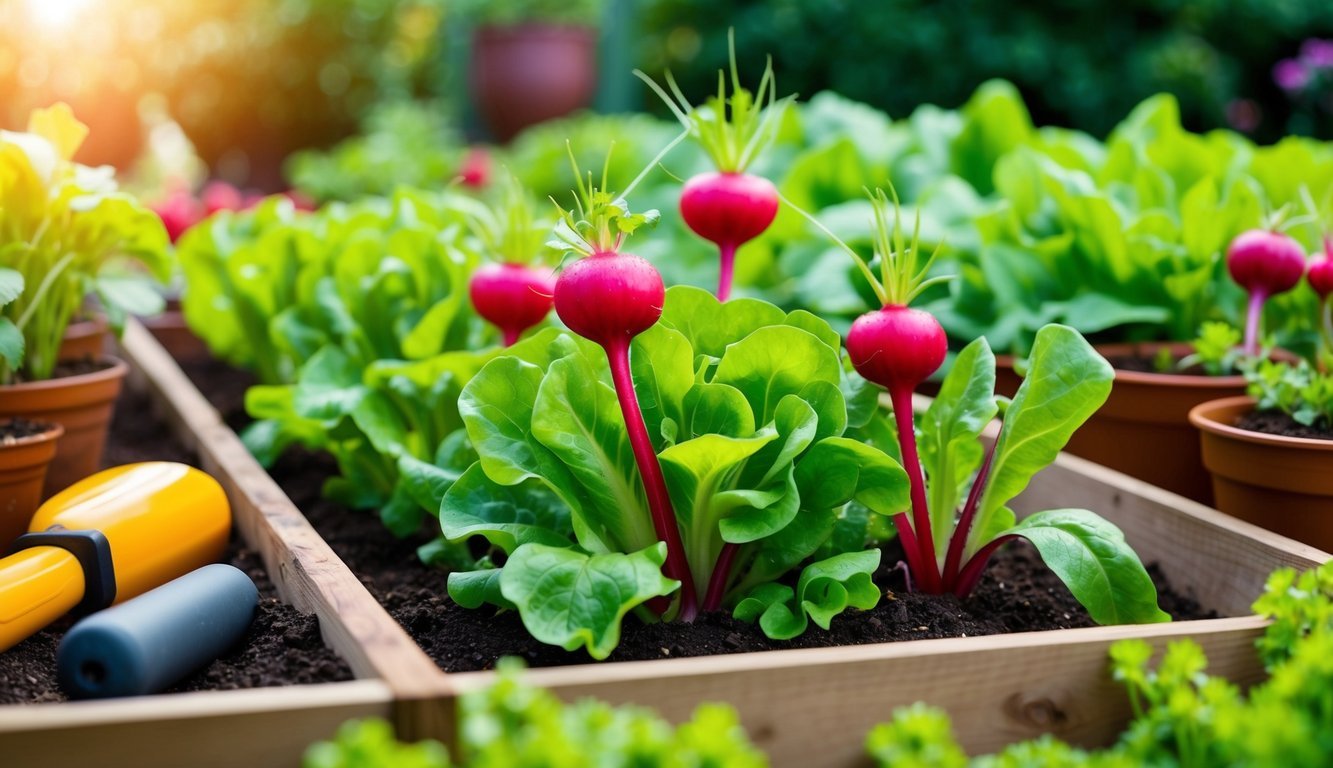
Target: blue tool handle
{"type": "Point", "coordinates": [146, 644]}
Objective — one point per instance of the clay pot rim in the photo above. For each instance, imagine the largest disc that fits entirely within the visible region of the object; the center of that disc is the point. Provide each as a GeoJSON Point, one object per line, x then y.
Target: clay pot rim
{"type": "Point", "coordinates": [1203, 417]}
{"type": "Point", "coordinates": [119, 368]}
{"type": "Point", "coordinates": [54, 431]}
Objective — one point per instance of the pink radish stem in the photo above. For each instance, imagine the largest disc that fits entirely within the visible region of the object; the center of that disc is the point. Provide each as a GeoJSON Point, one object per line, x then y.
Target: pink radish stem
{"type": "Point", "coordinates": [1252, 319]}
{"type": "Point", "coordinates": [659, 500]}
{"type": "Point", "coordinates": [717, 583]}
{"type": "Point", "coordinates": [727, 252]}
{"type": "Point", "coordinates": [953, 560]}
{"type": "Point", "coordinates": [929, 574]}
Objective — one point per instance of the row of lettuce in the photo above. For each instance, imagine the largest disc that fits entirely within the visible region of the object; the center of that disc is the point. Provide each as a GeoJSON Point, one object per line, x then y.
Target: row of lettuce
{"type": "Point", "coordinates": [1182, 716]}
{"type": "Point", "coordinates": [783, 474]}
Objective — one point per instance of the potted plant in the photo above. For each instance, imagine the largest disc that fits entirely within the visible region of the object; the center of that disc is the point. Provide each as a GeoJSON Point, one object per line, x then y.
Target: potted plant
{"type": "Point", "coordinates": [68, 234]}
{"type": "Point", "coordinates": [532, 60]}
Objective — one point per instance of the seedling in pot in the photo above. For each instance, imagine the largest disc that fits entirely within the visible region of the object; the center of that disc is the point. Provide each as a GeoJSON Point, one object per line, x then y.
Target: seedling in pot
{"type": "Point", "coordinates": [947, 549]}
{"type": "Point", "coordinates": [728, 207]}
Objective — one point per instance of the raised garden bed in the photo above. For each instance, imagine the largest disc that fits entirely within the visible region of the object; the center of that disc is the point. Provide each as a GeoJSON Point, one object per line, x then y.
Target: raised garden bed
{"type": "Point", "coordinates": [284, 648]}
{"type": "Point", "coordinates": [811, 706]}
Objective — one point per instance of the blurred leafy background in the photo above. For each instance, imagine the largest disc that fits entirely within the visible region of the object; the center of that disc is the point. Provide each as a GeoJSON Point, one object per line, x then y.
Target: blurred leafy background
{"type": "Point", "coordinates": [250, 81]}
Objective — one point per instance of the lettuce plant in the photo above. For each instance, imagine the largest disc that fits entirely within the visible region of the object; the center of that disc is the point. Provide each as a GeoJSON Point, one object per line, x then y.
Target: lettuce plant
{"type": "Point", "coordinates": [66, 233]}
{"type": "Point", "coordinates": [357, 320]}
{"type": "Point", "coordinates": [757, 424]}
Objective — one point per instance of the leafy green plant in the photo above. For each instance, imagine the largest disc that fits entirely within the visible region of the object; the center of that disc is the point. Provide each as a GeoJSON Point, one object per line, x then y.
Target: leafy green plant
{"type": "Point", "coordinates": [1182, 716]}
{"type": "Point", "coordinates": [1298, 390]}
{"type": "Point", "coordinates": [357, 320]}
{"type": "Point", "coordinates": [510, 724]}
{"type": "Point", "coordinates": [513, 12]}
{"type": "Point", "coordinates": [1217, 350]}
{"type": "Point", "coordinates": [947, 547]}
{"type": "Point", "coordinates": [66, 234]}
{"type": "Point", "coordinates": [755, 421]}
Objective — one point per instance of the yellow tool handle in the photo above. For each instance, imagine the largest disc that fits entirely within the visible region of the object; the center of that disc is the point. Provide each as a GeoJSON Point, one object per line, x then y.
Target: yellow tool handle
{"type": "Point", "coordinates": [37, 586]}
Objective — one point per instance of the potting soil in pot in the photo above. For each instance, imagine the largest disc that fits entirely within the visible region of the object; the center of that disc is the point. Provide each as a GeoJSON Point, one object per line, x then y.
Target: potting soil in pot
{"type": "Point", "coordinates": [1278, 423]}
{"type": "Point", "coordinates": [1018, 593]}
{"type": "Point", "coordinates": [283, 646]}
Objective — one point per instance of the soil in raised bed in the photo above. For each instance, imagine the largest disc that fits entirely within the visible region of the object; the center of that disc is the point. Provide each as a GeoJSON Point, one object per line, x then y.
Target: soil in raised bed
{"type": "Point", "coordinates": [282, 647]}
{"type": "Point", "coordinates": [1279, 423]}
{"type": "Point", "coordinates": [1017, 594]}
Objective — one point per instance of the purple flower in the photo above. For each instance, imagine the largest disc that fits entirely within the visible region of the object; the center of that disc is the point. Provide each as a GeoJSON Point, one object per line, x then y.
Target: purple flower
{"type": "Point", "coordinates": [1317, 54]}
{"type": "Point", "coordinates": [1290, 75]}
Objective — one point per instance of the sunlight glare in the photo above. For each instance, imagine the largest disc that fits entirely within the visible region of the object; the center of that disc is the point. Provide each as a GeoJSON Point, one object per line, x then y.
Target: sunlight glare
{"type": "Point", "coordinates": [53, 14]}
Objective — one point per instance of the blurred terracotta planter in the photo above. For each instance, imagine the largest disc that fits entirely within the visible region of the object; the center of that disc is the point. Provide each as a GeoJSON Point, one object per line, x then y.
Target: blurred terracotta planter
{"type": "Point", "coordinates": [81, 404]}
{"type": "Point", "coordinates": [23, 464]}
{"type": "Point", "coordinates": [85, 338]}
{"type": "Point", "coordinates": [1284, 484]}
{"type": "Point", "coordinates": [522, 75]}
{"type": "Point", "coordinates": [175, 336]}
{"type": "Point", "coordinates": [1144, 429]}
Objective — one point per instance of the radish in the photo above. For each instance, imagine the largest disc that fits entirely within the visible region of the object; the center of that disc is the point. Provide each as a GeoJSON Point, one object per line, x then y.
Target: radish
{"type": "Point", "coordinates": [514, 293]}
{"type": "Point", "coordinates": [475, 171]}
{"type": "Point", "coordinates": [899, 347]}
{"type": "Point", "coordinates": [1320, 277]}
{"type": "Point", "coordinates": [729, 207]}
{"type": "Point", "coordinates": [1264, 262]}
{"type": "Point", "coordinates": [513, 297]}
{"type": "Point", "coordinates": [179, 211]}
{"type": "Point", "coordinates": [609, 297]}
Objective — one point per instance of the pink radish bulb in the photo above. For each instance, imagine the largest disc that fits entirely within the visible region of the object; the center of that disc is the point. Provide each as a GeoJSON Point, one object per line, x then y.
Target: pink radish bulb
{"type": "Point", "coordinates": [513, 297]}
{"type": "Point", "coordinates": [609, 297]}
{"type": "Point", "coordinates": [475, 172]}
{"type": "Point", "coordinates": [729, 210]}
{"type": "Point", "coordinates": [221, 196]}
{"type": "Point", "coordinates": [179, 211]}
{"type": "Point", "coordinates": [1264, 263]}
{"type": "Point", "coordinates": [897, 347]}
{"type": "Point", "coordinates": [1320, 272]}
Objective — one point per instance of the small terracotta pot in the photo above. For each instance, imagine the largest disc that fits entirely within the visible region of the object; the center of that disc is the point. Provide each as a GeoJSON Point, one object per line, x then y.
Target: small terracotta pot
{"type": "Point", "coordinates": [524, 74]}
{"type": "Point", "coordinates": [85, 338]}
{"type": "Point", "coordinates": [1284, 484]}
{"type": "Point", "coordinates": [23, 464]}
{"type": "Point", "coordinates": [171, 331]}
{"type": "Point", "coordinates": [82, 405]}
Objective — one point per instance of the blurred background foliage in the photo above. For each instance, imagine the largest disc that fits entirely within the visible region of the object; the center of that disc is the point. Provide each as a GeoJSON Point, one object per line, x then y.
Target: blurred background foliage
{"type": "Point", "coordinates": [251, 81]}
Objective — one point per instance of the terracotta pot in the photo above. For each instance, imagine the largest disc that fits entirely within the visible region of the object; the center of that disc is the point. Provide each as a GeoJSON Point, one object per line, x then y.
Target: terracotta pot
{"type": "Point", "coordinates": [1284, 484]}
{"type": "Point", "coordinates": [1143, 429]}
{"type": "Point", "coordinates": [85, 338]}
{"type": "Point", "coordinates": [23, 464]}
{"type": "Point", "coordinates": [82, 405]}
{"type": "Point", "coordinates": [524, 74]}
{"type": "Point", "coordinates": [171, 331]}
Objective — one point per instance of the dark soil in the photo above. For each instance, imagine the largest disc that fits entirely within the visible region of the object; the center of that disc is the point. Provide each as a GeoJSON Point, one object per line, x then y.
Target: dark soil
{"type": "Point", "coordinates": [1018, 593]}
{"type": "Point", "coordinates": [283, 646]}
{"type": "Point", "coordinates": [1148, 364]}
{"type": "Point", "coordinates": [79, 367]}
{"type": "Point", "coordinates": [1279, 423]}
{"type": "Point", "coordinates": [12, 430]}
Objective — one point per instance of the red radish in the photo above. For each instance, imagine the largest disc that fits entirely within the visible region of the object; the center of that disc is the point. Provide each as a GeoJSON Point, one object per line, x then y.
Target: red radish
{"type": "Point", "coordinates": [1264, 263]}
{"type": "Point", "coordinates": [609, 297]}
{"type": "Point", "coordinates": [729, 207]}
{"type": "Point", "coordinates": [475, 171]}
{"type": "Point", "coordinates": [179, 211]}
{"type": "Point", "coordinates": [1320, 272]}
{"type": "Point", "coordinates": [899, 347]}
{"type": "Point", "coordinates": [729, 210]}
{"type": "Point", "coordinates": [514, 297]}
{"type": "Point", "coordinates": [300, 200]}
{"type": "Point", "coordinates": [221, 196]}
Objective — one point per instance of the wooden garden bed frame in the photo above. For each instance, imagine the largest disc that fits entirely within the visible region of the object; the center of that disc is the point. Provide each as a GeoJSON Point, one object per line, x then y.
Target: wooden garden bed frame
{"type": "Point", "coordinates": [809, 708]}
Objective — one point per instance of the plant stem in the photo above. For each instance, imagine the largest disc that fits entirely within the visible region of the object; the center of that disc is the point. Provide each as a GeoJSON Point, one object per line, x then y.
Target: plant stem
{"type": "Point", "coordinates": [971, 574]}
{"type": "Point", "coordinates": [510, 336]}
{"type": "Point", "coordinates": [953, 561]}
{"type": "Point", "coordinates": [1252, 319]}
{"type": "Point", "coordinates": [727, 254]}
{"type": "Point", "coordinates": [659, 500]}
{"type": "Point", "coordinates": [927, 569]}
{"type": "Point", "coordinates": [717, 583]}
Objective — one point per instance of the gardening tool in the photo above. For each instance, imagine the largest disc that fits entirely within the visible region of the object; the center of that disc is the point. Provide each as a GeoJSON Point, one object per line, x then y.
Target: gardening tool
{"type": "Point", "coordinates": [108, 538]}
{"type": "Point", "coordinates": [146, 644]}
